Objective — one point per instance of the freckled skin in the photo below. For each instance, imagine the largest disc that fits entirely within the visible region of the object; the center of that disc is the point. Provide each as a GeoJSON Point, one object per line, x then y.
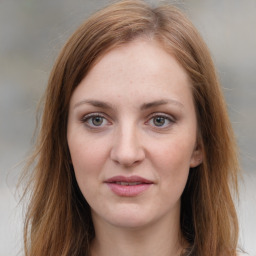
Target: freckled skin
{"type": "Point", "coordinates": [128, 142]}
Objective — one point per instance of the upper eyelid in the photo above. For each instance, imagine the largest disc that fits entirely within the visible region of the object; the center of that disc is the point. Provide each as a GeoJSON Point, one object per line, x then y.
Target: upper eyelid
{"type": "Point", "coordinates": [155, 114]}
{"type": "Point", "coordinates": [89, 115]}
{"type": "Point", "coordinates": [98, 113]}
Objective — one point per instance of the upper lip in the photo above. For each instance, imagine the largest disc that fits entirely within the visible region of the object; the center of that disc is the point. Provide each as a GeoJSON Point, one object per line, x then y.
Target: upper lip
{"type": "Point", "coordinates": [129, 179]}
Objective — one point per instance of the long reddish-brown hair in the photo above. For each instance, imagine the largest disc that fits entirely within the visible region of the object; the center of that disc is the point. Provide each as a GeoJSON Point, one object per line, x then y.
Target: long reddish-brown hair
{"type": "Point", "coordinates": [58, 220]}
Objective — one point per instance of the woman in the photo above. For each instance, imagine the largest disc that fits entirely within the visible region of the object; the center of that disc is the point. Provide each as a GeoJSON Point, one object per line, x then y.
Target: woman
{"type": "Point", "coordinates": [136, 154]}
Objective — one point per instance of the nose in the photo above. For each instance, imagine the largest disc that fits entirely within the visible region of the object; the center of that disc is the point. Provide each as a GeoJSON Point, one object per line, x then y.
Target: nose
{"type": "Point", "coordinates": [127, 149]}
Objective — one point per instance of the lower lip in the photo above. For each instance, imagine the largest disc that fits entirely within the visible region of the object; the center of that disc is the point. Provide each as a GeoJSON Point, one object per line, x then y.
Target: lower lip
{"type": "Point", "coordinates": [128, 191]}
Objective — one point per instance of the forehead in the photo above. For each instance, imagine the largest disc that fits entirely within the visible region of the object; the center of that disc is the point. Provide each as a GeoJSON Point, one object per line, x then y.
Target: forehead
{"type": "Point", "coordinates": [147, 53]}
{"type": "Point", "coordinates": [140, 68]}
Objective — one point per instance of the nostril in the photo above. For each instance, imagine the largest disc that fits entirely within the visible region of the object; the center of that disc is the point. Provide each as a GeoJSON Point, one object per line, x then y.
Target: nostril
{"type": "Point", "coordinates": [126, 160]}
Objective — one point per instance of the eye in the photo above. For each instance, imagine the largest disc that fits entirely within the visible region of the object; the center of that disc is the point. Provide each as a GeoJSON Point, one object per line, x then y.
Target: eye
{"type": "Point", "coordinates": [95, 120]}
{"type": "Point", "coordinates": [161, 121]}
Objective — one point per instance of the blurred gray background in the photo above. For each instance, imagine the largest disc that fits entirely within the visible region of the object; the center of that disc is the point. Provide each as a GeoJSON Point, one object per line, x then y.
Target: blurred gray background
{"type": "Point", "coordinates": [31, 35]}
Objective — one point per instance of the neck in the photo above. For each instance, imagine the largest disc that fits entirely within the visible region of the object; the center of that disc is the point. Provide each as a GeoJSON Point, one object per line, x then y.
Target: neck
{"type": "Point", "coordinates": [157, 239]}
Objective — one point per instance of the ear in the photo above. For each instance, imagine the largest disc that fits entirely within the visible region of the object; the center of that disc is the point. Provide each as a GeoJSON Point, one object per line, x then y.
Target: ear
{"type": "Point", "coordinates": [197, 156]}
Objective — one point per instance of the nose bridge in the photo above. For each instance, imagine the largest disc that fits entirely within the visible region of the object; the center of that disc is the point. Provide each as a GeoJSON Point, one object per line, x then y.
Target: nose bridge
{"type": "Point", "coordinates": [127, 147]}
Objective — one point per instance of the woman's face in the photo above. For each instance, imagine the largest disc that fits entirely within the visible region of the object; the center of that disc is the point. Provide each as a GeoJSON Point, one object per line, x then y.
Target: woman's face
{"type": "Point", "coordinates": [132, 135]}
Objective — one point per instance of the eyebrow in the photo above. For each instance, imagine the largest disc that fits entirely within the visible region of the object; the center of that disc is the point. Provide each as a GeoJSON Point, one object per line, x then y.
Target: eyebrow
{"type": "Point", "coordinates": [161, 102]}
{"type": "Point", "coordinates": [105, 105]}
{"type": "Point", "coordinates": [95, 103]}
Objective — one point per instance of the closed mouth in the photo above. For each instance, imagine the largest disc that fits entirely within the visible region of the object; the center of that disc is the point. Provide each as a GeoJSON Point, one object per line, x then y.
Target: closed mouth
{"type": "Point", "coordinates": [128, 181]}
{"type": "Point", "coordinates": [128, 186]}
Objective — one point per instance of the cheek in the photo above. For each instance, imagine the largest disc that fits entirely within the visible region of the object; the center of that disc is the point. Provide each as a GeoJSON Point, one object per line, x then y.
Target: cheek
{"type": "Point", "coordinates": [88, 161]}
{"type": "Point", "coordinates": [176, 153]}
{"type": "Point", "coordinates": [172, 160]}
{"type": "Point", "coordinates": [85, 152]}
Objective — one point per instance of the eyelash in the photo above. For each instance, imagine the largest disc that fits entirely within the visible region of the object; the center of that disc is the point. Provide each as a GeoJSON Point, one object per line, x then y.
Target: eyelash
{"type": "Point", "coordinates": [88, 118]}
{"type": "Point", "coordinates": [166, 117]}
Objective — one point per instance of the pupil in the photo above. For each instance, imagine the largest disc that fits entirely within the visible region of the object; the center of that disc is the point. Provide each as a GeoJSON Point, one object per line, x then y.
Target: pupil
{"type": "Point", "coordinates": [97, 120]}
{"type": "Point", "coordinates": [159, 121]}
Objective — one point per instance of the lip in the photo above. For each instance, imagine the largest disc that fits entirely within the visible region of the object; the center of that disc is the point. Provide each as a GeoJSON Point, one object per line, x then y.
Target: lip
{"type": "Point", "coordinates": [128, 186]}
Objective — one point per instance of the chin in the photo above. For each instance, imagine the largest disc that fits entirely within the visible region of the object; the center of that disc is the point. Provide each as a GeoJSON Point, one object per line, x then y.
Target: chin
{"type": "Point", "coordinates": [131, 215]}
{"type": "Point", "coordinates": [127, 217]}
{"type": "Point", "coordinates": [130, 222]}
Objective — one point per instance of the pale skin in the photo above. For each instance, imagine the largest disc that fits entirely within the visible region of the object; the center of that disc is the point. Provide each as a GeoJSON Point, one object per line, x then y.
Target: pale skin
{"type": "Point", "coordinates": [133, 115]}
